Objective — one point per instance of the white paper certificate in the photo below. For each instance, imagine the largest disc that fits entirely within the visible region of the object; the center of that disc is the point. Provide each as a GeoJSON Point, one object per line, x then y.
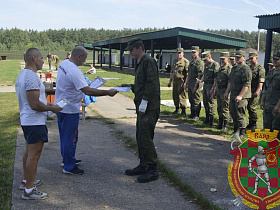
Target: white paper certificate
{"type": "Point", "coordinates": [122, 89]}
{"type": "Point", "coordinates": [62, 103]}
{"type": "Point", "coordinates": [97, 82]}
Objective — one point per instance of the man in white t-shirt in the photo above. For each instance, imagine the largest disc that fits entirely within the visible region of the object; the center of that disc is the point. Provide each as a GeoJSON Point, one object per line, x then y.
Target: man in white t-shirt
{"type": "Point", "coordinates": [33, 114]}
{"type": "Point", "coordinates": [71, 85]}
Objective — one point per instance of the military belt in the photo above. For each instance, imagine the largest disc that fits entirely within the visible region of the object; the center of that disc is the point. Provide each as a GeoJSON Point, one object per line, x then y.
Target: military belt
{"type": "Point", "coordinates": [208, 82]}
{"type": "Point", "coordinates": [222, 86]}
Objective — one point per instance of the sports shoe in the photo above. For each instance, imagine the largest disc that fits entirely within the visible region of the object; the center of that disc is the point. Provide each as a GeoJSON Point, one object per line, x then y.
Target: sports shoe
{"type": "Point", "coordinates": [34, 195]}
{"type": "Point", "coordinates": [23, 184]}
{"type": "Point", "coordinates": [75, 171]}
{"type": "Point", "coordinates": [196, 118]}
{"type": "Point", "coordinates": [150, 175]}
{"type": "Point", "coordinates": [77, 162]}
{"type": "Point", "coordinates": [139, 170]}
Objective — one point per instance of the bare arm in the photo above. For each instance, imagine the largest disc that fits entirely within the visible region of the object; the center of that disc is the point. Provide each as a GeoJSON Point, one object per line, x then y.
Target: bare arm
{"type": "Point", "coordinates": [260, 84]}
{"type": "Point", "coordinates": [262, 100]}
{"type": "Point", "coordinates": [96, 92]}
{"type": "Point", "coordinates": [37, 105]}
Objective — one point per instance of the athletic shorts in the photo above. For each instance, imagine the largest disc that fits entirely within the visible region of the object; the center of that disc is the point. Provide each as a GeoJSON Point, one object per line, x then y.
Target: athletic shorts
{"type": "Point", "coordinates": [35, 133]}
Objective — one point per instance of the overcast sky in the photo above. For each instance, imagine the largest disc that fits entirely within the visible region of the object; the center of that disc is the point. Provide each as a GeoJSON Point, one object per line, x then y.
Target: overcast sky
{"type": "Point", "coordinates": [119, 14]}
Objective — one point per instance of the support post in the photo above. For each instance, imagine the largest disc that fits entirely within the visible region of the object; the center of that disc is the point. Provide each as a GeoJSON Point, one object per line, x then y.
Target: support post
{"type": "Point", "coordinates": [267, 49]}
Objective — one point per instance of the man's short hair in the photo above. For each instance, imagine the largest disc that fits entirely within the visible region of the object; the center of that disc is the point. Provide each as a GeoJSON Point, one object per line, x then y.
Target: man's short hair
{"type": "Point", "coordinates": [79, 50]}
{"type": "Point", "coordinates": [30, 52]}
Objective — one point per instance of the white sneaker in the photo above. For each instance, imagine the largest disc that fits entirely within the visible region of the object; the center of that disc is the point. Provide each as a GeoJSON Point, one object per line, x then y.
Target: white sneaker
{"type": "Point", "coordinates": [34, 195]}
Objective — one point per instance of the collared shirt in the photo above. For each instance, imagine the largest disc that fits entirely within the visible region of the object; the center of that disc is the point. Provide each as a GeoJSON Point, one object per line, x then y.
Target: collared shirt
{"type": "Point", "coordinates": [180, 70]}
{"type": "Point", "coordinates": [240, 76]}
{"type": "Point", "coordinates": [210, 69]}
{"type": "Point", "coordinates": [196, 68]}
{"type": "Point", "coordinates": [222, 76]}
{"type": "Point", "coordinates": [258, 76]}
{"type": "Point", "coordinates": [272, 91]}
{"type": "Point", "coordinates": [146, 84]}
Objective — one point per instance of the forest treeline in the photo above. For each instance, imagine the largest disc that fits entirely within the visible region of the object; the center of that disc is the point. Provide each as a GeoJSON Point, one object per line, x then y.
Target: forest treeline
{"type": "Point", "coordinates": [65, 39]}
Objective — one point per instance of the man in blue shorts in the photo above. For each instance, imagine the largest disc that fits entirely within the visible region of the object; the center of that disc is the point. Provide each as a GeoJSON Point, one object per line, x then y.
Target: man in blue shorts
{"type": "Point", "coordinates": [33, 114]}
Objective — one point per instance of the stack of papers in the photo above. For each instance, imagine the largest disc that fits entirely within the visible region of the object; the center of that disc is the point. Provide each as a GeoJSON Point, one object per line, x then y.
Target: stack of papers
{"type": "Point", "coordinates": [97, 82]}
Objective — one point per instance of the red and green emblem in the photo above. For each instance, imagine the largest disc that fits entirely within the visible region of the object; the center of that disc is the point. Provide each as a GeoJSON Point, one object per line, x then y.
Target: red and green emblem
{"type": "Point", "coordinates": [254, 177]}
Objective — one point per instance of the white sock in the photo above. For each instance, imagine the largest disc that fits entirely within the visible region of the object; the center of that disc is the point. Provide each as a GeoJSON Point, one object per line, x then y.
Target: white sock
{"type": "Point", "coordinates": [28, 190]}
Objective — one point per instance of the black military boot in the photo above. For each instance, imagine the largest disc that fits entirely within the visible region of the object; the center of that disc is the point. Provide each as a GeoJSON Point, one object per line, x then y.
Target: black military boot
{"type": "Point", "coordinates": [138, 170]}
{"type": "Point", "coordinates": [249, 125]}
{"type": "Point", "coordinates": [176, 111]}
{"type": "Point", "coordinates": [192, 113]}
{"type": "Point", "coordinates": [242, 132]}
{"type": "Point", "coordinates": [253, 126]}
{"type": "Point", "coordinates": [206, 121]}
{"type": "Point", "coordinates": [225, 126]}
{"type": "Point", "coordinates": [150, 175]}
{"type": "Point", "coordinates": [211, 121]}
{"type": "Point", "coordinates": [220, 125]}
{"type": "Point", "coordinates": [183, 113]}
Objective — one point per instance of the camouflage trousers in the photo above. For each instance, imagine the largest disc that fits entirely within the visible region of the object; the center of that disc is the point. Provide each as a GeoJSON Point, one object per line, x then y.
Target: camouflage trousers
{"type": "Point", "coordinates": [208, 100]}
{"type": "Point", "coordinates": [252, 109]}
{"type": "Point", "coordinates": [145, 127]}
{"type": "Point", "coordinates": [179, 95]}
{"type": "Point", "coordinates": [270, 120]}
{"type": "Point", "coordinates": [222, 105]}
{"type": "Point", "coordinates": [195, 100]}
{"type": "Point", "coordinates": [237, 111]}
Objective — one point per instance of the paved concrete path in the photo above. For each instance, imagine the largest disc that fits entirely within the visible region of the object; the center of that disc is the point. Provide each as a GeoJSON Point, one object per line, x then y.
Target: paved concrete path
{"type": "Point", "coordinates": [198, 157]}
{"type": "Point", "coordinates": [103, 185]}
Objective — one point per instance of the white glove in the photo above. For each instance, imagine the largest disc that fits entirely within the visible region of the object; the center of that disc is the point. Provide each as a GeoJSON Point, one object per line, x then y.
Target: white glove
{"type": "Point", "coordinates": [143, 106]}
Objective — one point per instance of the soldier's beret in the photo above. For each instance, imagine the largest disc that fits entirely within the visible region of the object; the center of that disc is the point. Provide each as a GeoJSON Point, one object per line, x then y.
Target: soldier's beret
{"type": "Point", "coordinates": [205, 55]}
{"type": "Point", "coordinates": [240, 53]}
{"type": "Point", "coordinates": [252, 54]}
{"type": "Point", "coordinates": [276, 55]}
{"type": "Point", "coordinates": [195, 48]}
{"type": "Point", "coordinates": [232, 55]}
{"type": "Point", "coordinates": [224, 54]}
{"type": "Point", "coordinates": [133, 43]}
{"type": "Point", "coordinates": [270, 62]}
{"type": "Point", "coordinates": [180, 50]}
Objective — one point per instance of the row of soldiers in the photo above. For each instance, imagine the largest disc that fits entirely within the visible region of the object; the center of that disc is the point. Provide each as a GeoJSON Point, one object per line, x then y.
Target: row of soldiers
{"type": "Point", "coordinates": [236, 86]}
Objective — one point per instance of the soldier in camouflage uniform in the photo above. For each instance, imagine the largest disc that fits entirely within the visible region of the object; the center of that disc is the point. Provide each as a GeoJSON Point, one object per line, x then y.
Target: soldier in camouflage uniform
{"type": "Point", "coordinates": [178, 75]}
{"type": "Point", "coordinates": [258, 77]}
{"type": "Point", "coordinates": [219, 88]}
{"type": "Point", "coordinates": [195, 72]}
{"type": "Point", "coordinates": [240, 91]}
{"type": "Point", "coordinates": [263, 105]}
{"type": "Point", "coordinates": [146, 89]}
{"type": "Point", "coordinates": [211, 67]}
{"type": "Point", "coordinates": [271, 96]}
{"type": "Point", "coordinates": [232, 59]}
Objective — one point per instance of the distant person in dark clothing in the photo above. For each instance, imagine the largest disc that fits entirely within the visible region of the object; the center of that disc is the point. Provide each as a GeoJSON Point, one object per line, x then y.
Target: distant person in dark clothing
{"type": "Point", "coordinates": [167, 67]}
{"type": "Point", "coordinates": [49, 60]}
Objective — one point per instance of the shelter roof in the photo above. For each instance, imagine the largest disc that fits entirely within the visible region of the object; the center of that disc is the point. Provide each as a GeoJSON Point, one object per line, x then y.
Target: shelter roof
{"type": "Point", "coordinates": [167, 39]}
{"type": "Point", "coordinates": [270, 21]}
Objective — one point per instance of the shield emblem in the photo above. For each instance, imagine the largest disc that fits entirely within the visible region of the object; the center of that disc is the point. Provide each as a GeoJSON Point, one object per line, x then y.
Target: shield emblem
{"type": "Point", "coordinates": [254, 176]}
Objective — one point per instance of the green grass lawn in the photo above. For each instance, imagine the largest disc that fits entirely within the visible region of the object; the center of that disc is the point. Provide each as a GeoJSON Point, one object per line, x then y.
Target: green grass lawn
{"type": "Point", "coordinates": [9, 71]}
{"type": "Point", "coordinates": [9, 117]}
{"type": "Point", "coordinates": [9, 122]}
